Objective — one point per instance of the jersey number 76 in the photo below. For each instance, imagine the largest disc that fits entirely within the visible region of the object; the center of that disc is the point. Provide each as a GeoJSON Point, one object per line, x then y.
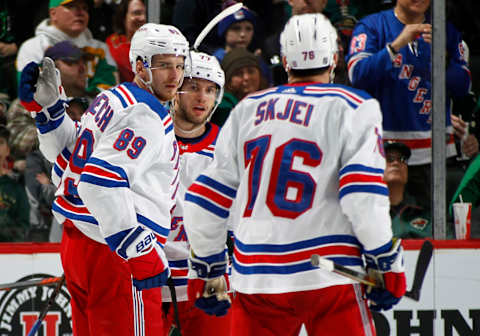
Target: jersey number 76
{"type": "Point", "coordinates": [283, 177]}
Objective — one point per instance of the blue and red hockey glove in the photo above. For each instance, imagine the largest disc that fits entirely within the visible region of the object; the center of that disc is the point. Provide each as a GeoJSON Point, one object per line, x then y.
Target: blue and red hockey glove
{"type": "Point", "coordinates": [388, 260]}
{"type": "Point", "coordinates": [41, 93]}
{"type": "Point", "coordinates": [208, 283]}
{"type": "Point", "coordinates": [146, 258]}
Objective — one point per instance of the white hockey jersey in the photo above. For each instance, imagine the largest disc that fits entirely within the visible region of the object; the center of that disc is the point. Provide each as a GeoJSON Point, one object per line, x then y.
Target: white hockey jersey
{"type": "Point", "coordinates": [195, 155]}
{"type": "Point", "coordinates": [120, 171]}
{"type": "Point", "coordinates": [304, 163]}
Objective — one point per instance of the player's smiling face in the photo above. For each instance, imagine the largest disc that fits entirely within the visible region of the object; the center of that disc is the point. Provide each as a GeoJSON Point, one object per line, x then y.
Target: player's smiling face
{"type": "Point", "coordinates": [167, 72]}
{"type": "Point", "coordinates": [195, 100]}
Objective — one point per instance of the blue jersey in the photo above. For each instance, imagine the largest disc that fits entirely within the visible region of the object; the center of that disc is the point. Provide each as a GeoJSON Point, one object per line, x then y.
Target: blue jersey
{"type": "Point", "coordinates": [402, 85]}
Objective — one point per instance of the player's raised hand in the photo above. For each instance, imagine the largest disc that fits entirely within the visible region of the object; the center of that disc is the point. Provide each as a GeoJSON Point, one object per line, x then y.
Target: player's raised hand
{"type": "Point", "coordinates": [208, 284]}
{"type": "Point", "coordinates": [40, 89]}
{"type": "Point", "coordinates": [387, 260]}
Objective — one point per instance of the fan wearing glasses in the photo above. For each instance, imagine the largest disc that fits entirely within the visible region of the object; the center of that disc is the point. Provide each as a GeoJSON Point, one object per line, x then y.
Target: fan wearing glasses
{"type": "Point", "coordinates": [408, 219]}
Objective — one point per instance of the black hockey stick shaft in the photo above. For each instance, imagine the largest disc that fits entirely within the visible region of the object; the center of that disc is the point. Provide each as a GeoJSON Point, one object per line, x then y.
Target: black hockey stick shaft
{"type": "Point", "coordinates": [421, 268]}
{"type": "Point", "coordinates": [45, 310]}
{"type": "Point", "coordinates": [30, 283]}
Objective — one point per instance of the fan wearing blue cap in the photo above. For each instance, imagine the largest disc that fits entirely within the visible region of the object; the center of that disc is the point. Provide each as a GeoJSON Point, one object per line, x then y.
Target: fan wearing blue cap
{"type": "Point", "coordinates": [237, 30]}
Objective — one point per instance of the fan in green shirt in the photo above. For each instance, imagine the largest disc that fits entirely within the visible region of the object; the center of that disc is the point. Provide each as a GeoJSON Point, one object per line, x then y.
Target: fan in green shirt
{"type": "Point", "coordinates": [408, 219]}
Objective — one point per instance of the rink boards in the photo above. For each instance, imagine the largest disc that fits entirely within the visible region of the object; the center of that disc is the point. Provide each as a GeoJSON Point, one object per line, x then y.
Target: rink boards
{"type": "Point", "coordinates": [449, 302]}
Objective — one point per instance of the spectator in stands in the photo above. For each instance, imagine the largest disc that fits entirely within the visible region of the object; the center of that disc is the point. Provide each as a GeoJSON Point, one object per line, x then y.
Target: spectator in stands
{"type": "Point", "coordinates": [237, 30]}
{"type": "Point", "coordinates": [68, 21]}
{"type": "Point", "coordinates": [242, 77]}
{"type": "Point", "coordinates": [390, 57]}
{"type": "Point", "coordinates": [408, 219]}
{"type": "Point", "coordinates": [129, 16]}
{"type": "Point", "coordinates": [14, 211]}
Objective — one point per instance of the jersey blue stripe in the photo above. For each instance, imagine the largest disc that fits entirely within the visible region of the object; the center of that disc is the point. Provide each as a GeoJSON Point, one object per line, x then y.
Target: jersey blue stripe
{"type": "Point", "coordinates": [74, 200]}
{"type": "Point", "coordinates": [85, 177]}
{"type": "Point", "coordinates": [50, 126]}
{"type": "Point", "coordinates": [209, 206]}
{"type": "Point", "coordinates": [286, 269]}
{"type": "Point", "coordinates": [152, 225]}
{"type": "Point", "coordinates": [217, 186]}
{"type": "Point", "coordinates": [372, 189]}
{"type": "Point", "coordinates": [169, 129]}
{"type": "Point", "coordinates": [106, 165]}
{"type": "Point", "coordinates": [178, 263]}
{"type": "Point", "coordinates": [71, 215]}
{"type": "Point", "coordinates": [114, 240]}
{"type": "Point", "coordinates": [66, 154]}
{"type": "Point", "coordinates": [57, 170]}
{"type": "Point", "coordinates": [360, 168]}
{"type": "Point", "coordinates": [290, 269]}
{"type": "Point", "coordinates": [180, 281]}
{"type": "Point", "coordinates": [210, 155]}
{"type": "Point", "coordinates": [347, 261]}
{"type": "Point", "coordinates": [119, 96]}
{"type": "Point", "coordinates": [280, 248]}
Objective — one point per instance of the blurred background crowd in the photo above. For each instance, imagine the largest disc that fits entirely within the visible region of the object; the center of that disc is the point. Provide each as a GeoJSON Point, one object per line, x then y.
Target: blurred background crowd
{"type": "Point", "coordinates": [89, 41]}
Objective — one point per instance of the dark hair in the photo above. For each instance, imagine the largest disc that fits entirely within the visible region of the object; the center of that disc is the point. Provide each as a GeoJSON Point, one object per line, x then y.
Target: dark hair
{"type": "Point", "coordinates": [4, 133]}
{"type": "Point", "coordinates": [308, 72]}
{"type": "Point", "coordinates": [118, 19]}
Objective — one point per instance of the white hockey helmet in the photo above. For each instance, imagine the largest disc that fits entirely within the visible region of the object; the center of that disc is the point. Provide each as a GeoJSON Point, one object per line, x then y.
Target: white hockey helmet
{"type": "Point", "coordinates": [308, 41]}
{"type": "Point", "coordinates": [204, 66]}
{"type": "Point", "coordinates": [153, 39]}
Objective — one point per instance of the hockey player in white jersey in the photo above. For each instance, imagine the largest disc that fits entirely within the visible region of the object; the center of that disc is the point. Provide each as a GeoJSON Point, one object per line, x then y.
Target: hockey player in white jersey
{"type": "Point", "coordinates": [118, 177]}
{"type": "Point", "coordinates": [196, 101]}
{"type": "Point", "coordinates": [298, 170]}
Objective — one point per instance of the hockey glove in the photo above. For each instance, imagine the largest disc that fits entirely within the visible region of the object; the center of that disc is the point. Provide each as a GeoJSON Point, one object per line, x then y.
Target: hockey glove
{"type": "Point", "coordinates": [41, 92]}
{"type": "Point", "coordinates": [146, 258]}
{"type": "Point", "coordinates": [208, 284]}
{"type": "Point", "coordinates": [388, 260]}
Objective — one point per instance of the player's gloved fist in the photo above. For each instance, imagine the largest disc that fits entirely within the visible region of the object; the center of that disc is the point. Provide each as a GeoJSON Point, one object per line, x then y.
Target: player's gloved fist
{"type": "Point", "coordinates": [208, 284]}
{"type": "Point", "coordinates": [41, 92]}
{"type": "Point", "coordinates": [388, 260]}
{"type": "Point", "coordinates": [146, 258]}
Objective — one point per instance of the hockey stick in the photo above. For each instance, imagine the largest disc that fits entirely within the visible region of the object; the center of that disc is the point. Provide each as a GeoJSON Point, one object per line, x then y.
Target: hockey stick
{"type": "Point", "coordinates": [220, 16]}
{"type": "Point", "coordinates": [374, 278]}
{"type": "Point", "coordinates": [30, 283]}
{"type": "Point", "coordinates": [44, 312]}
{"type": "Point", "coordinates": [331, 266]}
{"type": "Point", "coordinates": [421, 268]}
{"type": "Point", "coordinates": [173, 293]}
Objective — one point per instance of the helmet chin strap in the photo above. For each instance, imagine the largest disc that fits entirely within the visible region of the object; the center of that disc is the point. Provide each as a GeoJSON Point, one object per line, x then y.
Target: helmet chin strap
{"type": "Point", "coordinates": [332, 74]}
{"type": "Point", "coordinates": [148, 83]}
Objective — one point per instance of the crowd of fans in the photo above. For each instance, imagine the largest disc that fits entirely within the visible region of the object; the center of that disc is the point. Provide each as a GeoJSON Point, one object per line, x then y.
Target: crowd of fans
{"type": "Point", "coordinates": [90, 41]}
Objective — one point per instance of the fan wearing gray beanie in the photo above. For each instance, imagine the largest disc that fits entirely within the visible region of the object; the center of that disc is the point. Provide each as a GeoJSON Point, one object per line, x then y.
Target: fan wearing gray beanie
{"type": "Point", "coordinates": [243, 76]}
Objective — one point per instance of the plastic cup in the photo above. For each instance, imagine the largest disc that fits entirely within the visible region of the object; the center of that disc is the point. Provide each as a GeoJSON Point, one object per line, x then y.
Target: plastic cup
{"type": "Point", "coordinates": [462, 215]}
